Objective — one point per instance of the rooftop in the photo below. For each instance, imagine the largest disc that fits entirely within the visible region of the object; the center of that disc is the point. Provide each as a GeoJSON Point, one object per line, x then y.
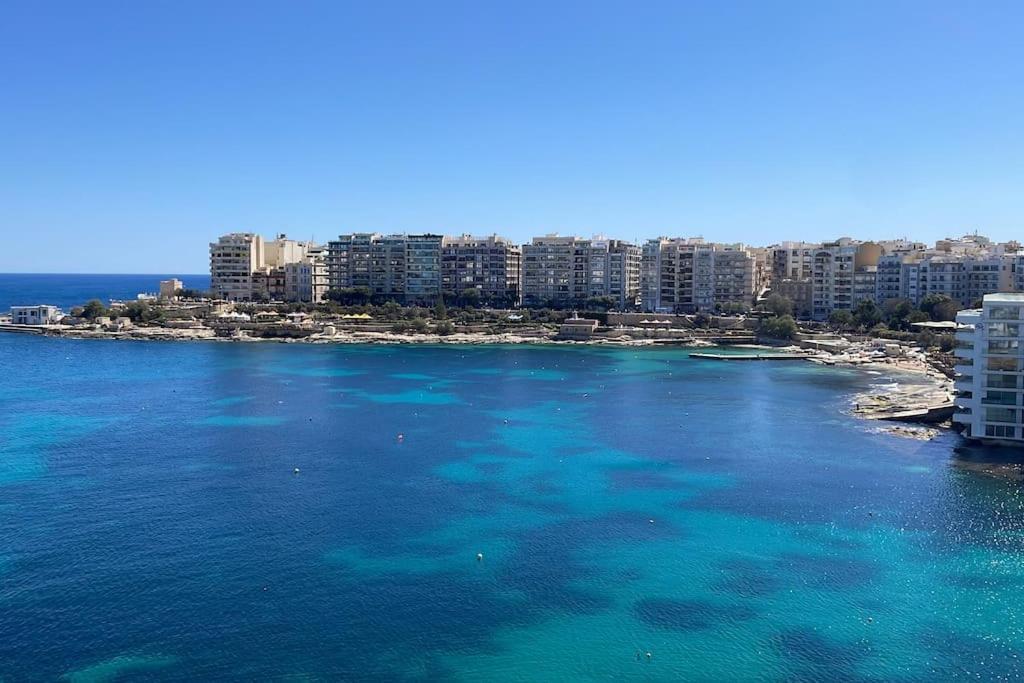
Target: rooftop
{"type": "Point", "coordinates": [1006, 297]}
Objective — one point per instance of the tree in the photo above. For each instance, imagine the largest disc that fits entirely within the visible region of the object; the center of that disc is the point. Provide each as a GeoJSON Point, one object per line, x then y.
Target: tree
{"type": "Point", "coordinates": [440, 310]}
{"type": "Point", "coordinates": [190, 294]}
{"type": "Point", "coordinates": [776, 304]}
{"type": "Point", "coordinates": [778, 327]}
{"type": "Point", "coordinates": [419, 325]}
{"type": "Point", "coordinates": [867, 314]}
{"type": "Point", "coordinates": [945, 311]}
{"type": "Point", "coordinates": [351, 296]}
{"type": "Point", "coordinates": [93, 309]}
{"type": "Point", "coordinates": [141, 311]}
{"type": "Point", "coordinates": [896, 312]}
{"type": "Point", "coordinates": [444, 328]}
{"type": "Point", "coordinates": [469, 297]}
{"type": "Point", "coordinates": [599, 303]}
{"type": "Point", "coordinates": [841, 319]}
{"type": "Point", "coordinates": [391, 310]}
{"type": "Point", "coordinates": [940, 307]}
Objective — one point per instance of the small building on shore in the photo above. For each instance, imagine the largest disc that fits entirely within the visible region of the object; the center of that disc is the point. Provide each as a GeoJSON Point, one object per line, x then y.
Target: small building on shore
{"type": "Point", "coordinates": [169, 289]}
{"type": "Point", "coordinates": [577, 329]}
{"type": "Point", "coordinates": [42, 314]}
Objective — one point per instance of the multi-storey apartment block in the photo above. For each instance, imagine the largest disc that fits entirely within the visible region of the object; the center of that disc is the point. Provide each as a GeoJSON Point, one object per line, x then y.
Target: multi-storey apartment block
{"type": "Point", "coordinates": [834, 284]}
{"type": "Point", "coordinates": [402, 268]}
{"type": "Point", "coordinates": [490, 265]}
{"type": "Point", "coordinates": [693, 275]}
{"type": "Point", "coordinates": [245, 267]}
{"type": "Point", "coordinates": [570, 270]}
{"type": "Point", "coordinates": [990, 370]}
{"type": "Point", "coordinates": [233, 260]}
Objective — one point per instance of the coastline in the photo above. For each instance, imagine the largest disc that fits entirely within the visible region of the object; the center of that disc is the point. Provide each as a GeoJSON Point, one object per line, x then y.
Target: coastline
{"type": "Point", "coordinates": [914, 384]}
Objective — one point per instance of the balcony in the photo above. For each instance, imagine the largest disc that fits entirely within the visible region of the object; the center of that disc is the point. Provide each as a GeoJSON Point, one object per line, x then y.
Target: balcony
{"type": "Point", "coordinates": [985, 401]}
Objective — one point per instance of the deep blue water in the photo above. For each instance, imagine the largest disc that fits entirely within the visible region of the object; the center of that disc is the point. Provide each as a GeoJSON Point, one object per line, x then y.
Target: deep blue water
{"type": "Point", "coordinates": [728, 518]}
{"type": "Point", "coordinates": [68, 290]}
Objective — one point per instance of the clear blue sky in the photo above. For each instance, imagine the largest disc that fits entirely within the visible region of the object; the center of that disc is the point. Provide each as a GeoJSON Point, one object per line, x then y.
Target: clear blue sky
{"type": "Point", "coordinates": [133, 133]}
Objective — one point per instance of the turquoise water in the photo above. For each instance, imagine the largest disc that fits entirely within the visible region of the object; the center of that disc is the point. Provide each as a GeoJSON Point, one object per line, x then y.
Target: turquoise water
{"type": "Point", "coordinates": [728, 518]}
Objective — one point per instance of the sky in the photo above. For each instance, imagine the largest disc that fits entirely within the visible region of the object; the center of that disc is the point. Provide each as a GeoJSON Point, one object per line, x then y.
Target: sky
{"type": "Point", "coordinates": [134, 133]}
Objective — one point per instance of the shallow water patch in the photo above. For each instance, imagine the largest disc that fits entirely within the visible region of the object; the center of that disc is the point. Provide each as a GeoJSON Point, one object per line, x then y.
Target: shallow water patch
{"type": "Point", "coordinates": [119, 667]}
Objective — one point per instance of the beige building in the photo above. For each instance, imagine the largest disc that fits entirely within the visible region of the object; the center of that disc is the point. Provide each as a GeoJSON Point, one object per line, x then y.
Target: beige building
{"type": "Point", "coordinates": [169, 288]}
{"type": "Point", "coordinates": [306, 280]}
{"type": "Point", "coordinates": [233, 260]}
{"type": "Point", "coordinates": [835, 285]}
{"type": "Point", "coordinates": [569, 270]}
{"type": "Point", "coordinates": [694, 275]}
{"type": "Point", "coordinates": [490, 265]}
{"type": "Point", "coordinates": [245, 267]}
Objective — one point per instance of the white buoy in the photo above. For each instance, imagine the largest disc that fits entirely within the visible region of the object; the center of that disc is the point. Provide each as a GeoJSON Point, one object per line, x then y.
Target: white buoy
{"type": "Point", "coordinates": [296, 470]}
{"type": "Point", "coordinates": [479, 557]}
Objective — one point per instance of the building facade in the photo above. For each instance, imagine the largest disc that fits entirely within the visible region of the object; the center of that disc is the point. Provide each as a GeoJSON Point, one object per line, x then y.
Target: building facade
{"type": "Point", "coordinates": [245, 267]}
{"type": "Point", "coordinates": [36, 315]}
{"type": "Point", "coordinates": [555, 271]}
{"type": "Point", "coordinates": [834, 282]}
{"type": "Point", "coordinates": [233, 260]}
{"type": "Point", "coordinates": [490, 265]}
{"type": "Point", "coordinates": [990, 370]}
{"type": "Point", "coordinates": [169, 288]}
{"type": "Point", "coordinates": [401, 268]}
{"type": "Point", "coordinates": [692, 275]}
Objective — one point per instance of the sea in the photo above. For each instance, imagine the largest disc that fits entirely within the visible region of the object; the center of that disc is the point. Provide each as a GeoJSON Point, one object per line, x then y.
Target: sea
{"type": "Point", "coordinates": [182, 511]}
{"type": "Point", "coordinates": [67, 290]}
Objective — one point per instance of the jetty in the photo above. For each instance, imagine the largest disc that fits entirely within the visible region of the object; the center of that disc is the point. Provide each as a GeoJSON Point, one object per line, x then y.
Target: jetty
{"type": "Point", "coordinates": [747, 356]}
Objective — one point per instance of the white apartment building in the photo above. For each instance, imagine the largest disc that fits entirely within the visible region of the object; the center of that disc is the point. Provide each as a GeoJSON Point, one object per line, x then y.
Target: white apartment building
{"type": "Point", "coordinates": [990, 370]}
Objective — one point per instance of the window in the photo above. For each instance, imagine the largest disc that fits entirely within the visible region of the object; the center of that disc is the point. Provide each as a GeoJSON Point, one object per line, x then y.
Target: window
{"type": "Point", "coordinates": [1002, 398]}
{"type": "Point", "coordinates": [1004, 313]}
{"type": "Point", "coordinates": [1000, 415]}
{"type": "Point", "coordinates": [1004, 346]}
{"type": "Point", "coordinates": [1003, 329]}
{"type": "Point", "coordinates": [1001, 381]}
{"type": "Point", "coordinates": [1003, 431]}
{"type": "Point", "coordinates": [1002, 364]}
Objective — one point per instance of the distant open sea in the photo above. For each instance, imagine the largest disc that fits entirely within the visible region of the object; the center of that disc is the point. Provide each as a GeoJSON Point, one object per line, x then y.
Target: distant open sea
{"type": "Point", "coordinates": [186, 511]}
{"type": "Point", "coordinates": [71, 289]}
